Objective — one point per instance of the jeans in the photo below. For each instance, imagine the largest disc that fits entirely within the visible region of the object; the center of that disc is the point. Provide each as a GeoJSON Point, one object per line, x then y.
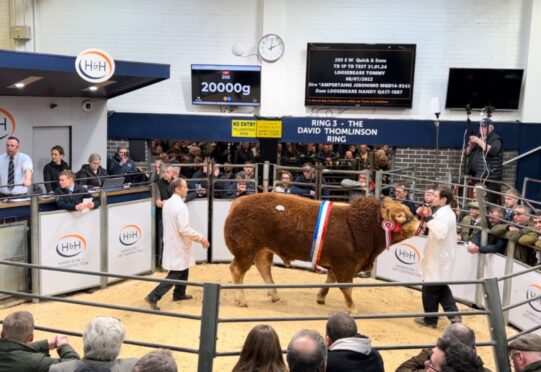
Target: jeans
{"type": "Point", "coordinates": [163, 288]}
{"type": "Point", "coordinates": [434, 295]}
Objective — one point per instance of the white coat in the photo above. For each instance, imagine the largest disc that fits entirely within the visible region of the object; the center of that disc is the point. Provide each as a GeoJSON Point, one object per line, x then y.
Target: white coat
{"type": "Point", "coordinates": [439, 257]}
{"type": "Point", "coordinates": [177, 235]}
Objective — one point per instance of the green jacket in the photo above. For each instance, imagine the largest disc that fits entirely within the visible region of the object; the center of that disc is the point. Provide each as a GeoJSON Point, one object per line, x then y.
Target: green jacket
{"type": "Point", "coordinates": [31, 358]}
{"type": "Point", "coordinates": [522, 252]}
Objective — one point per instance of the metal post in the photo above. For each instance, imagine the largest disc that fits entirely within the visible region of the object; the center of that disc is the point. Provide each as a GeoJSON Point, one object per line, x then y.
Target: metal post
{"type": "Point", "coordinates": [379, 179]}
{"type": "Point", "coordinates": [507, 282]}
{"type": "Point", "coordinates": [209, 327]}
{"type": "Point", "coordinates": [104, 233]}
{"type": "Point", "coordinates": [153, 230]}
{"type": "Point", "coordinates": [497, 325]}
{"type": "Point", "coordinates": [34, 245]}
{"type": "Point", "coordinates": [266, 167]}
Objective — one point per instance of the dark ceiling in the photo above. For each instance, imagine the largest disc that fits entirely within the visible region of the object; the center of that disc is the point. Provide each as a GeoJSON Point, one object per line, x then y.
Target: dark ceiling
{"type": "Point", "coordinates": [58, 77]}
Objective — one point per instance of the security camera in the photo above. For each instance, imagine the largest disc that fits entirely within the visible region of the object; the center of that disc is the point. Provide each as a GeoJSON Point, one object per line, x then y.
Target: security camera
{"type": "Point", "coordinates": [52, 105]}
{"type": "Point", "coordinates": [87, 106]}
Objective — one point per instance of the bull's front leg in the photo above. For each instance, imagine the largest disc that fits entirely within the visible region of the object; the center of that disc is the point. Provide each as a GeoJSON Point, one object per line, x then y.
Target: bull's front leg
{"type": "Point", "coordinates": [323, 291]}
{"type": "Point", "coordinates": [347, 277]}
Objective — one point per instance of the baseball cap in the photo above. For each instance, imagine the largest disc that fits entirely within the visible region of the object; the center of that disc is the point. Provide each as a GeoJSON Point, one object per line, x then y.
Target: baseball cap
{"type": "Point", "coordinates": [527, 342]}
{"type": "Point", "coordinates": [486, 121]}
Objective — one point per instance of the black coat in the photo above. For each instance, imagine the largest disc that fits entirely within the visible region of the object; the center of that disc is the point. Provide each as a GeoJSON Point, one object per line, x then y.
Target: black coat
{"type": "Point", "coordinates": [90, 178]}
{"type": "Point", "coordinates": [68, 201]}
{"type": "Point", "coordinates": [51, 172]}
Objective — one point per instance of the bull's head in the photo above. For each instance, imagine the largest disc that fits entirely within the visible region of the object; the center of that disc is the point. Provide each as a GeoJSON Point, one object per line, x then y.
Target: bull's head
{"type": "Point", "coordinates": [405, 223]}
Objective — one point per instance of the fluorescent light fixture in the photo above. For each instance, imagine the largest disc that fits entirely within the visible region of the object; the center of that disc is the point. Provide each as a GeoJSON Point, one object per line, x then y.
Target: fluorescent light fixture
{"type": "Point", "coordinates": [95, 87]}
{"type": "Point", "coordinates": [25, 82]}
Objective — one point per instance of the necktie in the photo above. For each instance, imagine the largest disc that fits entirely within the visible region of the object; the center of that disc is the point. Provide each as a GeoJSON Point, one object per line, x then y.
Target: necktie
{"type": "Point", "coordinates": [11, 173]}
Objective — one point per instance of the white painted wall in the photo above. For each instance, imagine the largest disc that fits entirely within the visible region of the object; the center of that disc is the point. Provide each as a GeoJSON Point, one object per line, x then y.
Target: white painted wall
{"type": "Point", "coordinates": [4, 24]}
{"type": "Point", "coordinates": [89, 129]}
{"type": "Point", "coordinates": [460, 33]}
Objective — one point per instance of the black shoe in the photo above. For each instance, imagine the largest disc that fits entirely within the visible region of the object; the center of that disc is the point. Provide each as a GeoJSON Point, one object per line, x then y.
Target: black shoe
{"type": "Point", "coordinates": [422, 322]}
{"type": "Point", "coordinates": [182, 298]}
{"type": "Point", "coordinates": [153, 304]}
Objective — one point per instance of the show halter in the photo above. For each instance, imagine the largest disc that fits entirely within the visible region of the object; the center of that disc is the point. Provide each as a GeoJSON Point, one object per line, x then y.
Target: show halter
{"type": "Point", "coordinates": [319, 233]}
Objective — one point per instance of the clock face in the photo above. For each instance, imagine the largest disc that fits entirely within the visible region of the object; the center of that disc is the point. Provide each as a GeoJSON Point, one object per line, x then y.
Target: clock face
{"type": "Point", "coordinates": [271, 47]}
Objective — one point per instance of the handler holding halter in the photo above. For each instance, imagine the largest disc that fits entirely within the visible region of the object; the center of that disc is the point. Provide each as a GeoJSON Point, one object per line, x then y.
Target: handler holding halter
{"type": "Point", "coordinates": [439, 257]}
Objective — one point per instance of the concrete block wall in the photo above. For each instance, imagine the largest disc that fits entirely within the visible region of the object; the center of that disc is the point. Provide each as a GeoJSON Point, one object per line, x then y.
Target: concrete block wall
{"type": "Point", "coordinates": [430, 169]}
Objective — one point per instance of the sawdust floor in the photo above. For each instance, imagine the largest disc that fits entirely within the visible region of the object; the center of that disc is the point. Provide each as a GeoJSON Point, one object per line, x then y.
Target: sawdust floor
{"type": "Point", "coordinates": [294, 302]}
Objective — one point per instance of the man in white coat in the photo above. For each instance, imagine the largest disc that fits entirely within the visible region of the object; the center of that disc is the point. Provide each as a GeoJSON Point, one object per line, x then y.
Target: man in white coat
{"type": "Point", "coordinates": [439, 257]}
{"type": "Point", "coordinates": [178, 254]}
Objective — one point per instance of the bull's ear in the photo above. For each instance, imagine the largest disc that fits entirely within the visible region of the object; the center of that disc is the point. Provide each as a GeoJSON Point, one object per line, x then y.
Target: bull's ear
{"type": "Point", "coordinates": [386, 207]}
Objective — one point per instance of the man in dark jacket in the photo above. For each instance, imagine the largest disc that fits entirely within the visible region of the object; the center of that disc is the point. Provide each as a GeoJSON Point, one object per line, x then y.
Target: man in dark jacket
{"type": "Point", "coordinates": [71, 196]}
{"type": "Point", "coordinates": [19, 353]}
{"type": "Point", "coordinates": [349, 350]}
{"type": "Point", "coordinates": [525, 353]}
{"type": "Point", "coordinates": [122, 164]}
{"type": "Point", "coordinates": [486, 157]}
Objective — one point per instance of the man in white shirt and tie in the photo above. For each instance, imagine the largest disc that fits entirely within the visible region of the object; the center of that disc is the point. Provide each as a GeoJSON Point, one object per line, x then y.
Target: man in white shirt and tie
{"type": "Point", "coordinates": [15, 169]}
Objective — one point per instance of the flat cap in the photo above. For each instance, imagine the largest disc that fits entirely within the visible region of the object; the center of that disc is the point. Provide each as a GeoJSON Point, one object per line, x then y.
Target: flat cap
{"type": "Point", "coordinates": [486, 121]}
{"type": "Point", "coordinates": [527, 342]}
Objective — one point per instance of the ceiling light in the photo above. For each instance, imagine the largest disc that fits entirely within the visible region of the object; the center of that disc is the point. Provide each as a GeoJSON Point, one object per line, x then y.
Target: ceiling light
{"type": "Point", "coordinates": [25, 82]}
{"type": "Point", "coordinates": [93, 88]}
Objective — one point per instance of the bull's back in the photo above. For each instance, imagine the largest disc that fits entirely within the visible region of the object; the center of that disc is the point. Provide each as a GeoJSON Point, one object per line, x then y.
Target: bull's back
{"type": "Point", "coordinates": [282, 223]}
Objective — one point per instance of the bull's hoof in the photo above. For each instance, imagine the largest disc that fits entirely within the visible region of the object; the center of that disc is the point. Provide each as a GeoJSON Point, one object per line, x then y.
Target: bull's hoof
{"type": "Point", "coordinates": [352, 310]}
{"type": "Point", "coordinates": [275, 299]}
{"type": "Point", "coordinates": [321, 301]}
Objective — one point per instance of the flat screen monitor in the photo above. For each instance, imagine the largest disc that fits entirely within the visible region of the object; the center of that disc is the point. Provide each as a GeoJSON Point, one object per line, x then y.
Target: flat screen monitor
{"type": "Point", "coordinates": [373, 75]}
{"type": "Point", "coordinates": [481, 87]}
{"type": "Point", "coordinates": [226, 85]}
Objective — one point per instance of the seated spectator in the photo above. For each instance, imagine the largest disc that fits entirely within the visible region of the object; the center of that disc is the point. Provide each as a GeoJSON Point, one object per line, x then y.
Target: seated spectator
{"type": "Point", "coordinates": [221, 189]}
{"type": "Point", "coordinates": [19, 354]}
{"type": "Point", "coordinates": [327, 156]}
{"type": "Point", "coordinates": [349, 350]}
{"type": "Point", "coordinates": [533, 237]}
{"type": "Point", "coordinates": [401, 194]}
{"type": "Point", "coordinates": [510, 202]}
{"type": "Point", "coordinates": [243, 154]}
{"type": "Point", "coordinates": [241, 187]}
{"type": "Point", "coordinates": [457, 332]}
{"type": "Point", "coordinates": [156, 361]}
{"type": "Point", "coordinates": [360, 187]}
{"type": "Point", "coordinates": [307, 177]}
{"type": "Point", "coordinates": [284, 186]}
{"type": "Point", "coordinates": [525, 353]}
{"type": "Point", "coordinates": [71, 196]}
{"type": "Point", "coordinates": [290, 157]}
{"type": "Point", "coordinates": [466, 233]}
{"type": "Point", "coordinates": [513, 232]}
{"type": "Point", "coordinates": [52, 170]}
{"type": "Point", "coordinates": [122, 164]}
{"type": "Point", "coordinates": [261, 351]}
{"type": "Point", "coordinates": [309, 155]}
{"type": "Point", "coordinates": [92, 174]}
{"type": "Point", "coordinates": [102, 339]}
{"type": "Point", "coordinates": [198, 187]}
{"type": "Point", "coordinates": [494, 244]}
{"type": "Point", "coordinates": [307, 352]}
{"type": "Point", "coordinates": [363, 155]}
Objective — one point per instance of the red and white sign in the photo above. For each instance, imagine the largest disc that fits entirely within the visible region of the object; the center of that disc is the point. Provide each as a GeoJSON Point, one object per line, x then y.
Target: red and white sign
{"type": "Point", "coordinates": [95, 65]}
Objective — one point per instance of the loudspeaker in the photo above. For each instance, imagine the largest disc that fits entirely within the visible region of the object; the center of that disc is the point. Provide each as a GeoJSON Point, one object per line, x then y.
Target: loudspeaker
{"type": "Point", "coordinates": [138, 150]}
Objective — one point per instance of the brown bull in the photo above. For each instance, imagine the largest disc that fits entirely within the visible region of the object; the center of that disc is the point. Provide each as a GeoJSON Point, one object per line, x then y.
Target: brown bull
{"type": "Point", "coordinates": [261, 225]}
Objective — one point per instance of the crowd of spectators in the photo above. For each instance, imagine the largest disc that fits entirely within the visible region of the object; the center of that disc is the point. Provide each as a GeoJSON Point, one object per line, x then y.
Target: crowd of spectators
{"type": "Point", "coordinates": [344, 349]}
{"type": "Point", "coordinates": [102, 340]}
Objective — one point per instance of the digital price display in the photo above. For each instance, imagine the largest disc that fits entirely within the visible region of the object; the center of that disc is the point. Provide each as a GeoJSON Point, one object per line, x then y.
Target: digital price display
{"type": "Point", "coordinates": [379, 75]}
{"type": "Point", "coordinates": [227, 85]}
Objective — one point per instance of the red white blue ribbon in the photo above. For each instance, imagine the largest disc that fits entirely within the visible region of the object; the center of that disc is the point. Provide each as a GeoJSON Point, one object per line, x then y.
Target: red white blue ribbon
{"type": "Point", "coordinates": [388, 227]}
{"type": "Point", "coordinates": [319, 233]}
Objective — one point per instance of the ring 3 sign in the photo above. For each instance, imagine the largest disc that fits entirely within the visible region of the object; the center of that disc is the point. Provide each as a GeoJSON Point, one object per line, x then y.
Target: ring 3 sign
{"type": "Point", "coordinates": [95, 65]}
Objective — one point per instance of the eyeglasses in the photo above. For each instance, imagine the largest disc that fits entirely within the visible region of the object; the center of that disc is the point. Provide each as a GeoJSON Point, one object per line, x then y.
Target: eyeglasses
{"type": "Point", "coordinates": [429, 365]}
{"type": "Point", "coordinates": [122, 152]}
